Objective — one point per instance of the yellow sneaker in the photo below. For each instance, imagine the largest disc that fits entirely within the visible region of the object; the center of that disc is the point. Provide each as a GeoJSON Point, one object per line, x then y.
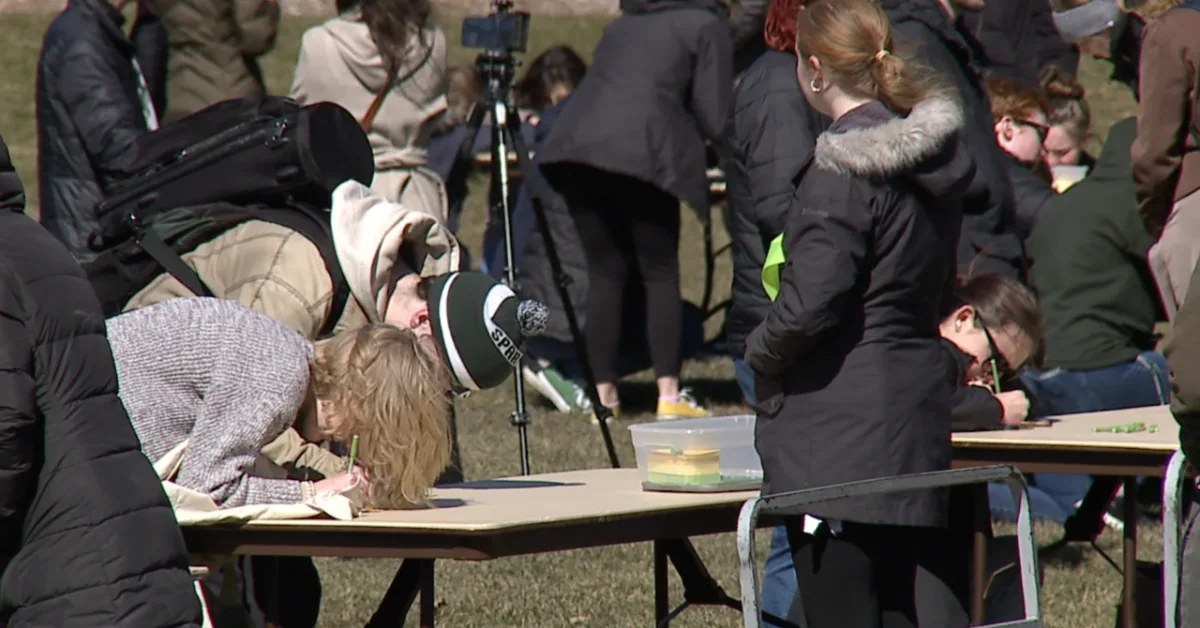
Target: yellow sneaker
{"type": "Point", "coordinates": [616, 414]}
{"type": "Point", "coordinates": [686, 407]}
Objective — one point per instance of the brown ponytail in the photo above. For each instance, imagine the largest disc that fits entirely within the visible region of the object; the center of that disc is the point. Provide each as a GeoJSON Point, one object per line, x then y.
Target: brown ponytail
{"type": "Point", "coordinates": [853, 41]}
{"type": "Point", "coordinates": [1065, 103]}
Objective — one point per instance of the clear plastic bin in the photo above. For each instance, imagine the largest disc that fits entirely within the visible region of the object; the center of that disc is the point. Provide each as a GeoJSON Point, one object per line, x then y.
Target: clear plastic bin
{"type": "Point", "coordinates": [732, 436]}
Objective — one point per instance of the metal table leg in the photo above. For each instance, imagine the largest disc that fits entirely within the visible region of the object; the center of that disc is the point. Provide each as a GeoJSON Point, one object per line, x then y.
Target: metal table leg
{"type": "Point", "coordinates": [1173, 483]}
{"type": "Point", "coordinates": [1129, 603]}
{"type": "Point", "coordinates": [662, 585]}
{"type": "Point", "coordinates": [413, 576]}
{"type": "Point", "coordinates": [979, 555]}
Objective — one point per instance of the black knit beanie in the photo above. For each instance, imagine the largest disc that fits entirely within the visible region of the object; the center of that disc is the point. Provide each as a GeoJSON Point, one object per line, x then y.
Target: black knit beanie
{"type": "Point", "coordinates": [480, 327]}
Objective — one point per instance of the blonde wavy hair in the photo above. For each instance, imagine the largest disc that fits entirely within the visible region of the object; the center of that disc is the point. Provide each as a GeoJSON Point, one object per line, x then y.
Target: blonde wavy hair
{"type": "Point", "coordinates": [394, 395]}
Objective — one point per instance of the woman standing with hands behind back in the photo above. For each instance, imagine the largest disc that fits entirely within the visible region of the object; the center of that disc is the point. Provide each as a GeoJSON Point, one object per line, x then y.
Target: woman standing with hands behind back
{"type": "Point", "coordinates": [842, 360]}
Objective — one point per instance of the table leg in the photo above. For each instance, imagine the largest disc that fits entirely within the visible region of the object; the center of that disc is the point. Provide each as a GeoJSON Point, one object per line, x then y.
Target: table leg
{"type": "Point", "coordinates": [427, 600]}
{"type": "Point", "coordinates": [409, 580]}
{"type": "Point", "coordinates": [1129, 604]}
{"type": "Point", "coordinates": [979, 555]}
{"type": "Point", "coordinates": [662, 586]}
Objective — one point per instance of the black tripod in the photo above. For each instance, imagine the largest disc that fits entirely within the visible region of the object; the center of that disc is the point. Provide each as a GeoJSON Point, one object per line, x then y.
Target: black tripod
{"type": "Point", "coordinates": [497, 68]}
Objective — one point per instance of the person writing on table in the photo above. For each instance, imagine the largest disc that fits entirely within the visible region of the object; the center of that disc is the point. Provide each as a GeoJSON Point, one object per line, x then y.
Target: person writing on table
{"type": "Point", "coordinates": [841, 362]}
{"type": "Point", "coordinates": [226, 380]}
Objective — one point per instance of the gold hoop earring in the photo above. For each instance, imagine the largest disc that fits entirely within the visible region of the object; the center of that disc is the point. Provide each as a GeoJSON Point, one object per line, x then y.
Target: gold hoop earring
{"type": "Point", "coordinates": [816, 89]}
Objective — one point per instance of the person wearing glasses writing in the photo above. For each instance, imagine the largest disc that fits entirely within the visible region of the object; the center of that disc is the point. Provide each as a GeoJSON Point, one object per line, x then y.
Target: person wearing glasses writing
{"type": "Point", "coordinates": [1019, 120]}
{"type": "Point", "coordinates": [993, 329]}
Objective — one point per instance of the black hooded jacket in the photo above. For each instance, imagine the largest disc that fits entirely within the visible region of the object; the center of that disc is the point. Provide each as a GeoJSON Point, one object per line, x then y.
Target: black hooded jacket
{"type": "Point", "coordinates": [1018, 38]}
{"type": "Point", "coordinates": [843, 360]}
{"type": "Point", "coordinates": [972, 408]}
{"type": "Point", "coordinates": [88, 115]}
{"type": "Point", "coordinates": [659, 86]}
{"type": "Point", "coordinates": [87, 537]}
{"type": "Point", "coordinates": [769, 137]}
{"type": "Point", "coordinates": [989, 242]}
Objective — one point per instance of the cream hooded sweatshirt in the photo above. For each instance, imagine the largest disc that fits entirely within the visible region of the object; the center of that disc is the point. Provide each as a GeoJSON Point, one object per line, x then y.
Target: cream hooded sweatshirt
{"type": "Point", "coordinates": [340, 63]}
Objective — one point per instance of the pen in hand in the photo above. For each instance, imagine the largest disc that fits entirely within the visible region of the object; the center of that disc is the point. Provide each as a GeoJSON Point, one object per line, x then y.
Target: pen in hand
{"type": "Point", "coordinates": [353, 454]}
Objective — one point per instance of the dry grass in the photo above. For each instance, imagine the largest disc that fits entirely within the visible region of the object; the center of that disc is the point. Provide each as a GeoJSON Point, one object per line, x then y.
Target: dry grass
{"type": "Point", "coordinates": [602, 587]}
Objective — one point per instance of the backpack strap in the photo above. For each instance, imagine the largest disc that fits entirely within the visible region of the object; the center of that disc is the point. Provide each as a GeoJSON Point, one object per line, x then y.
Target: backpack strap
{"type": "Point", "coordinates": [369, 117]}
{"type": "Point", "coordinates": [313, 224]}
{"type": "Point", "coordinates": [172, 262]}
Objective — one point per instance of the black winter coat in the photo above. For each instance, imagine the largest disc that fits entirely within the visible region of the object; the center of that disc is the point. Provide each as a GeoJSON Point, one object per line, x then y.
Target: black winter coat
{"type": "Point", "coordinates": [534, 273]}
{"type": "Point", "coordinates": [746, 22]}
{"type": "Point", "coordinates": [972, 408]}
{"type": "Point", "coordinates": [1031, 194]}
{"type": "Point", "coordinates": [88, 115]}
{"type": "Point", "coordinates": [769, 137]}
{"type": "Point", "coordinates": [847, 361]}
{"type": "Point", "coordinates": [989, 242]}
{"type": "Point", "coordinates": [87, 537]}
{"type": "Point", "coordinates": [659, 85]}
{"type": "Point", "coordinates": [1018, 38]}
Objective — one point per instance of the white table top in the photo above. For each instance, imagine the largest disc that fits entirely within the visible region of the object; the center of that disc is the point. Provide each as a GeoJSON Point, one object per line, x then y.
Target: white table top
{"type": "Point", "coordinates": [1076, 431]}
{"type": "Point", "coordinates": [529, 501]}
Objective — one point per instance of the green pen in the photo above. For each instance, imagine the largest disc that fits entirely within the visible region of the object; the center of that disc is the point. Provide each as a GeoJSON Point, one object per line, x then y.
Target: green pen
{"type": "Point", "coordinates": [353, 454]}
{"type": "Point", "coordinates": [995, 376]}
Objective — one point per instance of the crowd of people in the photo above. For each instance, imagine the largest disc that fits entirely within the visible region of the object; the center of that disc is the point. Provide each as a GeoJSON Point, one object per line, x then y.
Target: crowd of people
{"type": "Point", "coordinates": [953, 259]}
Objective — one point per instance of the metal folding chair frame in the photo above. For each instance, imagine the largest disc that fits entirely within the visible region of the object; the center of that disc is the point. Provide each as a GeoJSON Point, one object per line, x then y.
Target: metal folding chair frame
{"type": "Point", "coordinates": [793, 503]}
{"type": "Point", "coordinates": [1172, 545]}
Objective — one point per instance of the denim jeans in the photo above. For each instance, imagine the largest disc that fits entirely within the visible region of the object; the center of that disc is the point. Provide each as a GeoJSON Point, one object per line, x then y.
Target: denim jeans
{"type": "Point", "coordinates": [1140, 382]}
{"type": "Point", "coordinates": [779, 578]}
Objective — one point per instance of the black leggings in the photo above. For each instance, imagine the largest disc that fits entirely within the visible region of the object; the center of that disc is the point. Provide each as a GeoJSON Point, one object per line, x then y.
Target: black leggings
{"type": "Point", "coordinates": [877, 576]}
{"type": "Point", "coordinates": [627, 226]}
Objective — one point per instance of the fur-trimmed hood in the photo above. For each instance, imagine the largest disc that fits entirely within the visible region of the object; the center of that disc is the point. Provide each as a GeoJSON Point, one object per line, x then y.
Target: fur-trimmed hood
{"type": "Point", "coordinates": [925, 146]}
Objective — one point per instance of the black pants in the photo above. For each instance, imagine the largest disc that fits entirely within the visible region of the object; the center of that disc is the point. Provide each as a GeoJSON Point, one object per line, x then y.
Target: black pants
{"type": "Point", "coordinates": [629, 229]}
{"type": "Point", "coordinates": [876, 576]}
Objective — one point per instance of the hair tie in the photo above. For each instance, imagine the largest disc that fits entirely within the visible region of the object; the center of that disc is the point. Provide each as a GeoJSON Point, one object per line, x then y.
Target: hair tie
{"type": "Point", "coordinates": [881, 54]}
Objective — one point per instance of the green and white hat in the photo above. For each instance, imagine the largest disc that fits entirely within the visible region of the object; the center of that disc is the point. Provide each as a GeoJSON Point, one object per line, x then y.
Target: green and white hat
{"type": "Point", "coordinates": [480, 327]}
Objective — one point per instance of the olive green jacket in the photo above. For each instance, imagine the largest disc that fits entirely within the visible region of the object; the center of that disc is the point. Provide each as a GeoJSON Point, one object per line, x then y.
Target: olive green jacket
{"type": "Point", "coordinates": [213, 48]}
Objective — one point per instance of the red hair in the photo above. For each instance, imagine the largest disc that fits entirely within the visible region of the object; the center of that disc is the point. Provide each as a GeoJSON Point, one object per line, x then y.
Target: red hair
{"type": "Point", "coordinates": [780, 29]}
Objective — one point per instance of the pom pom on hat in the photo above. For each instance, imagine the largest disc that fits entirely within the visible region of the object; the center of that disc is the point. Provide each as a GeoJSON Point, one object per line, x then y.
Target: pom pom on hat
{"type": "Point", "coordinates": [480, 327]}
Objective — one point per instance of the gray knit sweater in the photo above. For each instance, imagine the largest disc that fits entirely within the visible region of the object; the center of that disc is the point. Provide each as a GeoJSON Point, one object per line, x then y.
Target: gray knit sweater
{"type": "Point", "coordinates": [225, 378]}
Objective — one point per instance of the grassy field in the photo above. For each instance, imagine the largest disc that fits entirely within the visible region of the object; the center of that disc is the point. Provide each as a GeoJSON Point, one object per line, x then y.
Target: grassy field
{"type": "Point", "coordinates": [600, 588]}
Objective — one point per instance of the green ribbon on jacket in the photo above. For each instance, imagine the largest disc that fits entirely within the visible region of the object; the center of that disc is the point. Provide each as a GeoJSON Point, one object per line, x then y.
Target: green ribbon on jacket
{"type": "Point", "coordinates": [776, 258]}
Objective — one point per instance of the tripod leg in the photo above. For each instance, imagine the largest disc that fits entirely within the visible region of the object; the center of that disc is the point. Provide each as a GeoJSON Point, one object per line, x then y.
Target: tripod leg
{"type": "Point", "coordinates": [501, 127]}
{"type": "Point", "coordinates": [539, 196]}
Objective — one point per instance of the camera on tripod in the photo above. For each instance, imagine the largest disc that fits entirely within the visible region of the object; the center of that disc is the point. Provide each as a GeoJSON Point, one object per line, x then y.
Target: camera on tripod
{"type": "Point", "coordinates": [503, 29]}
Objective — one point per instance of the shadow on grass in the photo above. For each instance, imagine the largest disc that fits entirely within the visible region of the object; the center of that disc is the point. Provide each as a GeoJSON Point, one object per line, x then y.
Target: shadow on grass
{"type": "Point", "coordinates": [642, 396]}
{"type": "Point", "coordinates": [1064, 555]}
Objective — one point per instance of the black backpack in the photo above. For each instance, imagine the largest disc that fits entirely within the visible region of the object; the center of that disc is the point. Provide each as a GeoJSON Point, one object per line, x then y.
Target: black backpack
{"type": "Point", "coordinates": [263, 159]}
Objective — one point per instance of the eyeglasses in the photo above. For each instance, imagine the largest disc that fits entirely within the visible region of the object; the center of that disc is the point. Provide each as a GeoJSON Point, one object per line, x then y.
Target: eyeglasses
{"type": "Point", "coordinates": [999, 364]}
{"type": "Point", "coordinates": [1041, 129]}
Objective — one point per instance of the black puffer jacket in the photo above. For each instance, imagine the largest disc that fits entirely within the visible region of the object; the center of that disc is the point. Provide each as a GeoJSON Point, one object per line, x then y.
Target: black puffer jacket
{"type": "Point", "coordinates": [769, 137]}
{"type": "Point", "coordinates": [87, 537]}
{"type": "Point", "coordinates": [88, 115]}
{"type": "Point", "coordinates": [1018, 38]}
{"type": "Point", "coordinates": [846, 362]}
{"type": "Point", "coordinates": [659, 86]}
{"type": "Point", "coordinates": [989, 242]}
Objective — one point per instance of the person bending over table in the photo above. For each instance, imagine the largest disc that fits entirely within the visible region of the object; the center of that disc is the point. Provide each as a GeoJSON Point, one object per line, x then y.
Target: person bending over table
{"type": "Point", "coordinates": [227, 380]}
{"type": "Point", "coordinates": [842, 360]}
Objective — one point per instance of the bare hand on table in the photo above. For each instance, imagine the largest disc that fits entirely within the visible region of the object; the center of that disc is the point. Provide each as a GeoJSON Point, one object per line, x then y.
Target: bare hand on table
{"type": "Point", "coordinates": [1016, 406]}
{"type": "Point", "coordinates": [342, 483]}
